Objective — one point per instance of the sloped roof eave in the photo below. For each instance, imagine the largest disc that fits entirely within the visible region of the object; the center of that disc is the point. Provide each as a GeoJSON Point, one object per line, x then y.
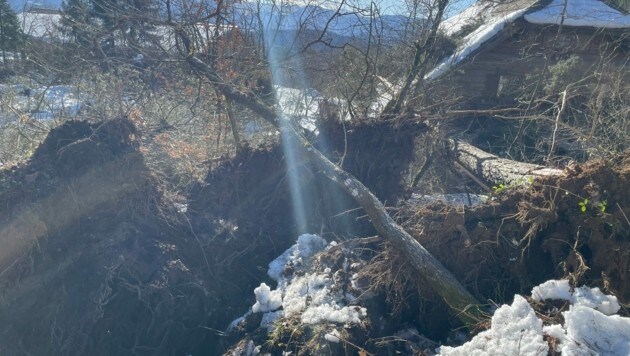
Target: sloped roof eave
{"type": "Point", "coordinates": [474, 43]}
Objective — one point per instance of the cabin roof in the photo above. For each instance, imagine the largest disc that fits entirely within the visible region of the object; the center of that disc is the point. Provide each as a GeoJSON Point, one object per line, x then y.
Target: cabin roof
{"type": "Point", "coordinates": [579, 13]}
{"type": "Point", "coordinates": [493, 18]}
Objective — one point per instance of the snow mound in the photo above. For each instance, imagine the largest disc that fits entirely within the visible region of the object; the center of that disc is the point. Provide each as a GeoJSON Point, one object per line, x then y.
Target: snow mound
{"type": "Point", "coordinates": [583, 296]}
{"type": "Point", "coordinates": [515, 331]}
{"type": "Point", "coordinates": [266, 299]}
{"type": "Point", "coordinates": [588, 328]}
{"type": "Point", "coordinates": [595, 299]}
{"type": "Point", "coordinates": [334, 314]}
{"type": "Point", "coordinates": [307, 245]}
{"type": "Point", "coordinates": [553, 289]}
{"type": "Point", "coordinates": [333, 336]}
{"type": "Point", "coordinates": [313, 296]}
{"type": "Point", "coordinates": [589, 332]}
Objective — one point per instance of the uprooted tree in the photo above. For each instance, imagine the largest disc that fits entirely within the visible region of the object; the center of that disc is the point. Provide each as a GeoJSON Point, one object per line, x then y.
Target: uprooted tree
{"type": "Point", "coordinates": [235, 68]}
{"type": "Point", "coordinates": [220, 54]}
{"type": "Point", "coordinates": [438, 277]}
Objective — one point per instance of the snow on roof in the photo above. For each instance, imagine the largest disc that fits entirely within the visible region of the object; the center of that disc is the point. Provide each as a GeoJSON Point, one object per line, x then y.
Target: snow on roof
{"type": "Point", "coordinates": [453, 24]}
{"type": "Point", "coordinates": [473, 41]}
{"type": "Point", "coordinates": [483, 12]}
{"type": "Point", "coordinates": [587, 13]}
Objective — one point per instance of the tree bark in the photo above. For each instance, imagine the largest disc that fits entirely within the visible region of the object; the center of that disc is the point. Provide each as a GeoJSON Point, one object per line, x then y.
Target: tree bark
{"type": "Point", "coordinates": [496, 170]}
{"type": "Point", "coordinates": [233, 124]}
{"type": "Point", "coordinates": [442, 281]}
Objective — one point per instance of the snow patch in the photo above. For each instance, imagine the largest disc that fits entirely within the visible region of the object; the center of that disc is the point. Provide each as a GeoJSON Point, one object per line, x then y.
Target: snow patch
{"type": "Point", "coordinates": [587, 329]}
{"type": "Point", "coordinates": [595, 299]}
{"type": "Point", "coordinates": [515, 331]}
{"type": "Point", "coordinates": [266, 299]}
{"type": "Point", "coordinates": [454, 24]}
{"type": "Point", "coordinates": [333, 336]}
{"type": "Point", "coordinates": [307, 245]}
{"type": "Point", "coordinates": [301, 105]}
{"type": "Point", "coordinates": [553, 289]}
{"type": "Point", "coordinates": [589, 297]}
{"type": "Point", "coordinates": [334, 314]}
{"type": "Point", "coordinates": [589, 332]}
{"type": "Point", "coordinates": [312, 296]}
{"type": "Point", "coordinates": [269, 318]}
{"type": "Point", "coordinates": [236, 321]}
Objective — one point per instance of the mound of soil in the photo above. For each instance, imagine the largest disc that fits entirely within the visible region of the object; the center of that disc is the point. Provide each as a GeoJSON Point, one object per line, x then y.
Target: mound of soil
{"type": "Point", "coordinates": [88, 263]}
{"type": "Point", "coordinates": [574, 226]}
{"type": "Point", "coordinates": [244, 207]}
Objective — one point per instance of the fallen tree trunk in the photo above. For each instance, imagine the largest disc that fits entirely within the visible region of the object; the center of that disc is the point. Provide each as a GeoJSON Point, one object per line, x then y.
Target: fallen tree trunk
{"type": "Point", "coordinates": [439, 278]}
{"type": "Point", "coordinates": [497, 170]}
{"type": "Point", "coordinates": [442, 281]}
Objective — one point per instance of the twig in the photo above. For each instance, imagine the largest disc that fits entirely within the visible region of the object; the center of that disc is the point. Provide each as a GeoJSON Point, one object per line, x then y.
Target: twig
{"type": "Point", "coordinates": [624, 214]}
{"type": "Point", "coordinates": [472, 176]}
{"type": "Point", "coordinates": [555, 128]}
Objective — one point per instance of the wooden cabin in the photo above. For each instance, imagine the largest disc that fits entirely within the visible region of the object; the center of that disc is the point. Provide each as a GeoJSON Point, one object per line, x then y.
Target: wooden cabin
{"type": "Point", "coordinates": [517, 38]}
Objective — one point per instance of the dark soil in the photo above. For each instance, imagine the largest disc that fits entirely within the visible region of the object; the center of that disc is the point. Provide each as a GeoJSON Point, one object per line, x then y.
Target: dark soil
{"type": "Point", "coordinates": [90, 265]}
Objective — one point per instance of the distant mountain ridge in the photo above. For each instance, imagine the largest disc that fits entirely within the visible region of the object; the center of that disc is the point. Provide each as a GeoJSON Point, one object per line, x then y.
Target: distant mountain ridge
{"type": "Point", "coordinates": [313, 17]}
{"type": "Point", "coordinates": [253, 16]}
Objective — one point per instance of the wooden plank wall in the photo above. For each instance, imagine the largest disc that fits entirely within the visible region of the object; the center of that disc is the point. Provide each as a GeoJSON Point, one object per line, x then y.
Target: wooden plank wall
{"type": "Point", "coordinates": [524, 48]}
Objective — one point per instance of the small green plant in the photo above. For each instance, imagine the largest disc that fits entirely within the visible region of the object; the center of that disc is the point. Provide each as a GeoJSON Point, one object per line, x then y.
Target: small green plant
{"type": "Point", "coordinates": [499, 188]}
{"type": "Point", "coordinates": [601, 206]}
{"type": "Point", "coordinates": [583, 205]}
